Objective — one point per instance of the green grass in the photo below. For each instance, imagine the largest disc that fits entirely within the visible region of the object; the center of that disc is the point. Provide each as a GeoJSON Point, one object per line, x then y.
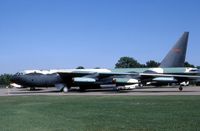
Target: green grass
{"type": "Point", "coordinates": [100, 113]}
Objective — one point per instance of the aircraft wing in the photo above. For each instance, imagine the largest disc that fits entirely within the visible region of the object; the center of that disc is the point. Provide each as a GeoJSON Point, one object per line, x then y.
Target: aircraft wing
{"type": "Point", "coordinates": [71, 78]}
{"type": "Point", "coordinates": [99, 78]}
{"type": "Point", "coordinates": [179, 78]}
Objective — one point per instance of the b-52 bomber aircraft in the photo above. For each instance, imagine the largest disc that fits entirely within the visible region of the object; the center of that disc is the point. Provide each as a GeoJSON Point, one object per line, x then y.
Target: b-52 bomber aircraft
{"type": "Point", "coordinates": [169, 71]}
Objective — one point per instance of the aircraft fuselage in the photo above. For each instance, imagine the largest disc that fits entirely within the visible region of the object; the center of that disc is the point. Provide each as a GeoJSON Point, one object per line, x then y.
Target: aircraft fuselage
{"type": "Point", "coordinates": [37, 80]}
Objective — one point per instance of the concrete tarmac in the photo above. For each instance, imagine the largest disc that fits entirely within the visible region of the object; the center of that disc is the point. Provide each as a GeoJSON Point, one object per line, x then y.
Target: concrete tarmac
{"type": "Point", "coordinates": [161, 91]}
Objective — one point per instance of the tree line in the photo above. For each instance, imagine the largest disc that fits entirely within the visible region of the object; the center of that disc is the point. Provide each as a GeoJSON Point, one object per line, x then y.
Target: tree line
{"type": "Point", "coordinates": [5, 79]}
{"type": "Point", "coordinates": [129, 62]}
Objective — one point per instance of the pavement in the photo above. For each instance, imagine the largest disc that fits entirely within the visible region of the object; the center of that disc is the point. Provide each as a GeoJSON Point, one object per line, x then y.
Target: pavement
{"type": "Point", "coordinates": [161, 91]}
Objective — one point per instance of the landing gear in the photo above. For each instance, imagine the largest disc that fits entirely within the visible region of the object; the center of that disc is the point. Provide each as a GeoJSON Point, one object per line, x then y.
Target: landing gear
{"type": "Point", "coordinates": [116, 88]}
{"type": "Point", "coordinates": [65, 89]}
{"type": "Point", "coordinates": [140, 85]}
{"type": "Point", "coordinates": [180, 88]}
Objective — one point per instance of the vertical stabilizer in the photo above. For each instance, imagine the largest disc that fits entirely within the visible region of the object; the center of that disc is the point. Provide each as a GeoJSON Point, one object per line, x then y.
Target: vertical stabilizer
{"type": "Point", "coordinates": [176, 56]}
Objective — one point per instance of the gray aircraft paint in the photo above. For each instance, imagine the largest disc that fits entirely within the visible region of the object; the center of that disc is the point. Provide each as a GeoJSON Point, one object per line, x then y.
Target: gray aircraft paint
{"type": "Point", "coordinates": [176, 56]}
{"type": "Point", "coordinates": [37, 80]}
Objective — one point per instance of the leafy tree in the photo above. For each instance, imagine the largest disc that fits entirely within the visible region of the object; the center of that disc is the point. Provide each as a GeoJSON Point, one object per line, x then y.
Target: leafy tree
{"type": "Point", "coordinates": [152, 63]}
{"type": "Point", "coordinates": [80, 67]}
{"type": "Point", "coordinates": [142, 65]}
{"type": "Point", "coordinates": [5, 79]}
{"type": "Point", "coordinates": [127, 62]}
{"type": "Point", "coordinates": [187, 64]}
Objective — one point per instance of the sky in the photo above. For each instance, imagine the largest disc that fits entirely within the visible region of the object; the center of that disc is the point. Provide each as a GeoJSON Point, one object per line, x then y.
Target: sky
{"type": "Point", "coordinates": [61, 34]}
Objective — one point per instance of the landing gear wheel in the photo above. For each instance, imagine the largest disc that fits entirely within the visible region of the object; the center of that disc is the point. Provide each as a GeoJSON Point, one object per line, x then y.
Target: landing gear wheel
{"type": "Point", "coordinates": [65, 89]}
{"type": "Point", "coordinates": [140, 85]}
{"type": "Point", "coordinates": [180, 88]}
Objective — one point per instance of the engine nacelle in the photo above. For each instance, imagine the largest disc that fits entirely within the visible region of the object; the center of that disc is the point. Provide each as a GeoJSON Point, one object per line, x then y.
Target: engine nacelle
{"type": "Point", "coordinates": [83, 80]}
{"type": "Point", "coordinates": [125, 81]}
{"type": "Point", "coordinates": [128, 87]}
{"type": "Point", "coordinates": [165, 79]}
{"type": "Point", "coordinates": [186, 83]}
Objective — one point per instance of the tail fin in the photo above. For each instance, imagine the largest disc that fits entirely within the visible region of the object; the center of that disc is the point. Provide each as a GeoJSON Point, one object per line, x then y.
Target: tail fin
{"type": "Point", "coordinates": [176, 56]}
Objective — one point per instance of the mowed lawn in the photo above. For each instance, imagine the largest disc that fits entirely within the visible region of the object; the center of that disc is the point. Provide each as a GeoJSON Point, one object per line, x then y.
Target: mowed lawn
{"type": "Point", "coordinates": [100, 113]}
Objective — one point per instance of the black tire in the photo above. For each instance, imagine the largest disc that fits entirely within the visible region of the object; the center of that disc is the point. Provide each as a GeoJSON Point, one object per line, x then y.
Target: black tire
{"type": "Point", "coordinates": [180, 88]}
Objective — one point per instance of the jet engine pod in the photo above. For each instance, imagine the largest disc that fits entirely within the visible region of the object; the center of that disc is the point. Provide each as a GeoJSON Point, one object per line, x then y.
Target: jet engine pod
{"type": "Point", "coordinates": [165, 79]}
{"type": "Point", "coordinates": [125, 81]}
{"type": "Point", "coordinates": [128, 87]}
{"type": "Point", "coordinates": [83, 80]}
